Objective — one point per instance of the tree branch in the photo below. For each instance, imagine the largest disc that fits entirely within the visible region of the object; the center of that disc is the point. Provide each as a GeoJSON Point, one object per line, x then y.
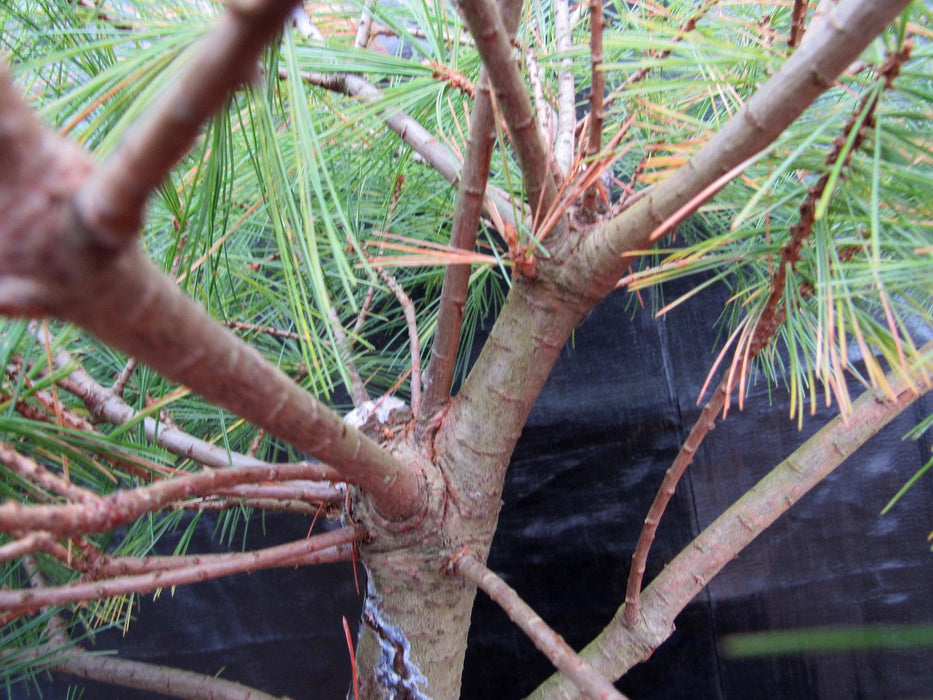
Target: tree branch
{"type": "Point", "coordinates": [548, 642]}
{"type": "Point", "coordinates": [365, 25]}
{"type": "Point", "coordinates": [67, 657]}
{"type": "Point", "coordinates": [419, 139]}
{"type": "Point", "coordinates": [547, 115]}
{"type": "Point", "coordinates": [295, 553]}
{"type": "Point", "coordinates": [310, 492]}
{"type": "Point", "coordinates": [176, 571]}
{"type": "Point", "coordinates": [798, 22]}
{"type": "Point", "coordinates": [758, 333]}
{"type": "Point", "coordinates": [566, 97]}
{"type": "Point", "coordinates": [119, 384]}
{"type": "Point", "coordinates": [165, 680]}
{"type": "Point", "coordinates": [105, 405]}
{"type": "Point", "coordinates": [806, 74]}
{"type": "Point", "coordinates": [112, 201]}
{"type": "Point", "coordinates": [704, 424]}
{"type": "Point", "coordinates": [51, 265]}
{"type": "Point", "coordinates": [34, 473]}
{"type": "Point", "coordinates": [470, 198]}
{"type": "Point", "coordinates": [492, 41]}
{"type": "Point", "coordinates": [32, 543]}
{"type": "Point", "coordinates": [619, 647]}
{"type": "Point", "coordinates": [408, 309]}
{"type": "Point", "coordinates": [123, 506]}
{"type": "Point", "coordinates": [597, 113]}
{"type": "Point", "coordinates": [216, 504]}
{"type": "Point", "coordinates": [471, 193]}
{"type": "Point", "coordinates": [358, 393]}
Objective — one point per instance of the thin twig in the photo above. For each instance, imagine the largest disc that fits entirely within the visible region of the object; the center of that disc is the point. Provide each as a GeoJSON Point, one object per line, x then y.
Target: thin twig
{"type": "Point", "coordinates": [35, 473]}
{"type": "Point", "coordinates": [121, 507]}
{"type": "Point", "coordinates": [358, 393]}
{"type": "Point", "coordinates": [364, 310]}
{"type": "Point", "coordinates": [629, 196]}
{"type": "Point", "coordinates": [597, 113]}
{"type": "Point", "coordinates": [566, 97]}
{"type": "Point", "coordinates": [620, 646]}
{"type": "Point", "coordinates": [365, 25]}
{"type": "Point", "coordinates": [119, 384]}
{"type": "Point", "coordinates": [551, 644]}
{"type": "Point", "coordinates": [757, 335]}
{"type": "Point", "coordinates": [798, 19]}
{"type": "Point", "coordinates": [256, 443]}
{"type": "Point", "coordinates": [494, 46]}
{"type": "Point", "coordinates": [415, 344]}
{"type": "Point", "coordinates": [265, 330]}
{"type": "Point", "coordinates": [323, 548]}
{"type": "Point", "coordinates": [38, 541]}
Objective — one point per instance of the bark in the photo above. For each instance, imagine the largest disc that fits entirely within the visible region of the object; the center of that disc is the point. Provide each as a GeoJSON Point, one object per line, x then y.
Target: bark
{"type": "Point", "coordinates": [327, 547]}
{"type": "Point", "coordinates": [514, 102]}
{"type": "Point", "coordinates": [812, 69]}
{"type": "Point", "coordinates": [415, 620]}
{"type": "Point", "coordinates": [485, 419]}
{"type": "Point", "coordinates": [547, 640]}
{"type": "Point", "coordinates": [408, 590]}
{"type": "Point", "coordinates": [420, 501]}
{"type": "Point", "coordinates": [51, 263]}
{"type": "Point", "coordinates": [619, 647]}
{"type": "Point", "coordinates": [170, 682]}
{"type": "Point", "coordinates": [471, 195]}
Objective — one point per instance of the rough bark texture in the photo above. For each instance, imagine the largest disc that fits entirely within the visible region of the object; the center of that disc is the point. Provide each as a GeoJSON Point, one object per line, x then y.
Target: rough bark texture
{"type": "Point", "coordinates": [416, 617]}
{"type": "Point", "coordinates": [484, 420]}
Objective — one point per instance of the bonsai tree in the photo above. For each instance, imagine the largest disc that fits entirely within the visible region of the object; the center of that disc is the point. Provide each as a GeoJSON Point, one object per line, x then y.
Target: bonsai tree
{"type": "Point", "coordinates": [221, 226]}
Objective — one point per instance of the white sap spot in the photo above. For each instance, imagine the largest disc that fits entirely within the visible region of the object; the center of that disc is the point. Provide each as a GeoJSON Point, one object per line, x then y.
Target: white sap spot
{"type": "Point", "coordinates": [380, 408]}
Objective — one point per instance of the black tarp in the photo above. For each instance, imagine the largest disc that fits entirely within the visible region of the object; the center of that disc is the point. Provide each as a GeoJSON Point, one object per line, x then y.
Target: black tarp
{"type": "Point", "coordinates": [621, 399]}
